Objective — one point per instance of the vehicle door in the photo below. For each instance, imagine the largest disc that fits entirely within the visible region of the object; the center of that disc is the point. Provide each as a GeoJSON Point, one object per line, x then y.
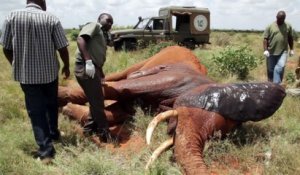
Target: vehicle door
{"type": "Point", "coordinates": [155, 30]}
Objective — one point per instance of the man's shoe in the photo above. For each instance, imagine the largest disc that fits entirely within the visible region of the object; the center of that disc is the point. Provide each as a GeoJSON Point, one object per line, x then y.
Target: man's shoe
{"type": "Point", "coordinates": [48, 153]}
{"type": "Point", "coordinates": [56, 136]}
{"type": "Point", "coordinates": [106, 137]}
{"type": "Point", "coordinates": [89, 129]}
{"type": "Point", "coordinates": [88, 133]}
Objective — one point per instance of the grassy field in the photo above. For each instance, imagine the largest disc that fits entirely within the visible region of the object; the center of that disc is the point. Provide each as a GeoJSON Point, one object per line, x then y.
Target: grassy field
{"type": "Point", "coordinates": [244, 151]}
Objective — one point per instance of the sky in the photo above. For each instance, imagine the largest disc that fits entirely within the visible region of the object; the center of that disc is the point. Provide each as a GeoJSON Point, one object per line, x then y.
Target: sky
{"type": "Point", "coordinates": [225, 14]}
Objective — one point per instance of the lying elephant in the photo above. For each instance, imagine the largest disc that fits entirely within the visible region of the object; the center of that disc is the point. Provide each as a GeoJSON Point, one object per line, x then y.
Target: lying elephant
{"type": "Point", "coordinates": [201, 105]}
{"type": "Point", "coordinates": [156, 81]}
{"type": "Point", "coordinates": [213, 107]}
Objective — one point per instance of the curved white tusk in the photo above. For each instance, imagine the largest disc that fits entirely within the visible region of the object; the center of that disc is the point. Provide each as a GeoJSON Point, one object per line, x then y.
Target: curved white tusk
{"type": "Point", "coordinates": [156, 120]}
{"type": "Point", "coordinates": [168, 143]}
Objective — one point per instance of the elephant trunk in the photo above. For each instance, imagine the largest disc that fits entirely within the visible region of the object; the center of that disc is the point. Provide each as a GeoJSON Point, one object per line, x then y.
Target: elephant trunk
{"type": "Point", "coordinates": [189, 157]}
{"type": "Point", "coordinates": [191, 135]}
{"type": "Point", "coordinates": [194, 127]}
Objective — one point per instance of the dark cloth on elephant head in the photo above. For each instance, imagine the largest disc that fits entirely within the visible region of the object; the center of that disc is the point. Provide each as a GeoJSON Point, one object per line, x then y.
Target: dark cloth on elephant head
{"type": "Point", "coordinates": [239, 102]}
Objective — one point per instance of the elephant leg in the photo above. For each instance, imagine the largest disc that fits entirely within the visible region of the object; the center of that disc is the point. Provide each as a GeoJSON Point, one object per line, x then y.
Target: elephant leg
{"type": "Point", "coordinates": [116, 114]}
{"type": "Point", "coordinates": [74, 95]}
{"type": "Point", "coordinates": [80, 113]}
{"type": "Point", "coordinates": [76, 112]}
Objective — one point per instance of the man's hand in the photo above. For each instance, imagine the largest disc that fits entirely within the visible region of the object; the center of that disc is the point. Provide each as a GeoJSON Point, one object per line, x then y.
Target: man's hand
{"type": "Point", "coordinates": [66, 72]}
{"type": "Point", "coordinates": [9, 54]}
{"type": "Point", "coordinates": [266, 53]}
{"type": "Point", "coordinates": [90, 68]}
{"type": "Point", "coordinates": [64, 55]}
{"type": "Point", "coordinates": [291, 53]}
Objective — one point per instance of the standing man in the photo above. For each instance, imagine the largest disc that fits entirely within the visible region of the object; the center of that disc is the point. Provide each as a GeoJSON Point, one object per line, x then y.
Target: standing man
{"type": "Point", "coordinates": [30, 38]}
{"type": "Point", "coordinates": [277, 37]}
{"type": "Point", "coordinates": [90, 57]}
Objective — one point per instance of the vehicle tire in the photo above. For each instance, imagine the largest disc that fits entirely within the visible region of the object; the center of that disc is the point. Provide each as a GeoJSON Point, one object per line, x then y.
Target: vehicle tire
{"type": "Point", "coordinates": [129, 45]}
{"type": "Point", "coordinates": [189, 43]}
{"type": "Point", "coordinates": [118, 45]}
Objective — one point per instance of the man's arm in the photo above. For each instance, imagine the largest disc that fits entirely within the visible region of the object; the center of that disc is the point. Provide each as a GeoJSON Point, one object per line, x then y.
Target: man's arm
{"type": "Point", "coordinates": [266, 36]}
{"type": "Point", "coordinates": [9, 55]}
{"type": "Point", "coordinates": [265, 44]}
{"type": "Point", "coordinates": [82, 45]}
{"type": "Point", "coordinates": [64, 55]}
{"type": "Point", "coordinates": [291, 41]}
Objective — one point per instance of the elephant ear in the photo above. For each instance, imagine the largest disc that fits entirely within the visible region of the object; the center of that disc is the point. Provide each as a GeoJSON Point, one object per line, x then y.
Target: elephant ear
{"type": "Point", "coordinates": [239, 102]}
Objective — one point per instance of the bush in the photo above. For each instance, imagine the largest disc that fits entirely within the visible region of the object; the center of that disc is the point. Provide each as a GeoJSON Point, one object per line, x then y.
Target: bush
{"type": "Point", "coordinates": [235, 61]}
{"type": "Point", "coordinates": [74, 34]}
{"type": "Point", "coordinates": [290, 77]}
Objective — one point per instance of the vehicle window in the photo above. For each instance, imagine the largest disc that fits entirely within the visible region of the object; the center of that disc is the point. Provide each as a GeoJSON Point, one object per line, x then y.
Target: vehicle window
{"type": "Point", "coordinates": [174, 23]}
{"type": "Point", "coordinates": [150, 25]}
{"type": "Point", "coordinates": [142, 24]}
{"type": "Point", "coordinates": [183, 23]}
{"type": "Point", "coordinates": [163, 12]}
{"type": "Point", "coordinates": [158, 24]}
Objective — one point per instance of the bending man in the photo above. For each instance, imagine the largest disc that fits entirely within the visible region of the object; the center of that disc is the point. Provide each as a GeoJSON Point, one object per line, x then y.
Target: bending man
{"type": "Point", "coordinates": [90, 57]}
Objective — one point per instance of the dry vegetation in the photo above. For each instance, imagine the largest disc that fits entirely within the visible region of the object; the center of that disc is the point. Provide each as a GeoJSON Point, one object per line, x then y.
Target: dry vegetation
{"type": "Point", "coordinates": [267, 147]}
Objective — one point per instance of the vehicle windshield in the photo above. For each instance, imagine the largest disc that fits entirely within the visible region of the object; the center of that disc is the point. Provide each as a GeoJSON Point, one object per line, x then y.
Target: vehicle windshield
{"type": "Point", "coordinates": [142, 23]}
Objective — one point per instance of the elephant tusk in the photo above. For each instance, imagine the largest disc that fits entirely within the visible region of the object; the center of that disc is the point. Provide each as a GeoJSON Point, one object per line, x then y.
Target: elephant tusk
{"type": "Point", "coordinates": [166, 144]}
{"type": "Point", "coordinates": [156, 120]}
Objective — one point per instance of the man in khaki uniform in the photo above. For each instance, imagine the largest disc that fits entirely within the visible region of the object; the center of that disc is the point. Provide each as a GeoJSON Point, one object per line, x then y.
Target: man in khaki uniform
{"type": "Point", "coordinates": [277, 37]}
{"type": "Point", "coordinates": [90, 57]}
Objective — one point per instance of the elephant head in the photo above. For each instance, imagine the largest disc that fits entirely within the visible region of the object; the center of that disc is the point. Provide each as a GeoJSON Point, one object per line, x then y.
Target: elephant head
{"type": "Point", "coordinates": [206, 109]}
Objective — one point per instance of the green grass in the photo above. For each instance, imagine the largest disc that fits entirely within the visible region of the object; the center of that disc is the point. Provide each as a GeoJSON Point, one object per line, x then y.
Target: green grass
{"type": "Point", "coordinates": [240, 153]}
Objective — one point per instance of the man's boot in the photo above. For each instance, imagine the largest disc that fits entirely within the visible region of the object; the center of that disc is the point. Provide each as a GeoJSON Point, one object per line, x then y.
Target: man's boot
{"type": "Point", "coordinates": [106, 137]}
